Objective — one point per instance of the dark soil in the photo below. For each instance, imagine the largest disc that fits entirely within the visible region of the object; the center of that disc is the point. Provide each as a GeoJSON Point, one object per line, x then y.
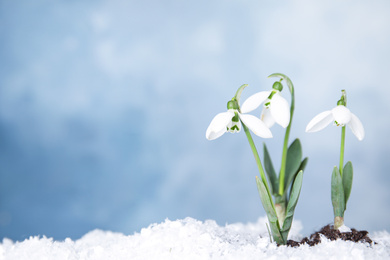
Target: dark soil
{"type": "Point", "coordinates": [332, 234]}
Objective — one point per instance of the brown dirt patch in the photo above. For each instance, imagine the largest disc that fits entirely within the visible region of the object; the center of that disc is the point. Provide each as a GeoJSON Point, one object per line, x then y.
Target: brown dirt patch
{"type": "Point", "coordinates": [332, 234]}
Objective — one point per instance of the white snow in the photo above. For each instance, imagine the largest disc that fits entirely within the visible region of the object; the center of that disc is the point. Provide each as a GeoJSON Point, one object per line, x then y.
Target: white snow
{"type": "Point", "coordinates": [344, 228]}
{"type": "Point", "coordinates": [192, 239]}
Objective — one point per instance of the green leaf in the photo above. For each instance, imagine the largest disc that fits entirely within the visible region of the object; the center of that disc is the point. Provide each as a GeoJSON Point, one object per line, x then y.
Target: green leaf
{"type": "Point", "coordinates": [269, 233]}
{"type": "Point", "coordinates": [301, 168]}
{"type": "Point", "coordinates": [269, 208]}
{"type": "Point", "coordinates": [239, 91]}
{"type": "Point", "coordinates": [293, 162]}
{"type": "Point", "coordinates": [269, 169]}
{"type": "Point", "coordinates": [337, 192]}
{"type": "Point", "coordinates": [266, 200]}
{"type": "Point", "coordinates": [347, 181]}
{"type": "Point", "coordinates": [292, 203]}
{"type": "Point", "coordinates": [303, 164]}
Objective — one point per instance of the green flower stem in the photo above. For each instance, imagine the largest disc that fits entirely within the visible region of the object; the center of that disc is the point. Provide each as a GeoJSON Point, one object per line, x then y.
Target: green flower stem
{"type": "Point", "coordinates": [287, 135]}
{"type": "Point", "coordinates": [342, 150]}
{"type": "Point", "coordinates": [284, 157]}
{"type": "Point", "coordinates": [257, 158]}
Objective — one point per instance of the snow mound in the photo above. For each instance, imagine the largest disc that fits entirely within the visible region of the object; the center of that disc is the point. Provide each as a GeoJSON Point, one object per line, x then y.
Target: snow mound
{"type": "Point", "coordinates": [192, 239]}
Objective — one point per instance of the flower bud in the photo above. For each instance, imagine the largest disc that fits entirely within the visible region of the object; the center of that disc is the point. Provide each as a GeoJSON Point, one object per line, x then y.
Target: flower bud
{"type": "Point", "coordinates": [343, 99]}
{"type": "Point", "coordinates": [277, 86]}
{"type": "Point", "coordinates": [341, 102]}
{"type": "Point", "coordinates": [232, 104]}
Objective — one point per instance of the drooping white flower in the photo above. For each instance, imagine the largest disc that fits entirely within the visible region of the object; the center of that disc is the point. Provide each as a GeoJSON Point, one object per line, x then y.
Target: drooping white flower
{"type": "Point", "coordinates": [341, 116]}
{"type": "Point", "coordinates": [230, 122]}
{"type": "Point", "coordinates": [276, 108]}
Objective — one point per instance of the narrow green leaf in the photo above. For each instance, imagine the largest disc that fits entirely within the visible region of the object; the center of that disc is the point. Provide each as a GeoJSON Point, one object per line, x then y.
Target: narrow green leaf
{"type": "Point", "coordinates": [269, 208]}
{"type": "Point", "coordinates": [292, 203]}
{"type": "Point", "coordinates": [337, 192]}
{"type": "Point", "coordinates": [294, 196]}
{"type": "Point", "coordinates": [293, 162]}
{"type": "Point", "coordinates": [303, 164]}
{"type": "Point", "coordinates": [347, 181]}
{"type": "Point", "coordinates": [269, 233]}
{"type": "Point", "coordinates": [239, 91]}
{"type": "Point", "coordinates": [266, 200]}
{"type": "Point", "coordinates": [276, 235]}
{"type": "Point", "coordinates": [269, 169]}
{"type": "Point", "coordinates": [301, 168]}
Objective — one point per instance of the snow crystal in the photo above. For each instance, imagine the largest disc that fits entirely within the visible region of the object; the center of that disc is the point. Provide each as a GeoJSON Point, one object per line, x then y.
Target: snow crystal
{"type": "Point", "coordinates": [192, 239]}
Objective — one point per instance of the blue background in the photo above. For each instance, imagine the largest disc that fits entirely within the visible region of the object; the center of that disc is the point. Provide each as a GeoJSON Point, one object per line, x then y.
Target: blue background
{"type": "Point", "coordinates": [104, 107]}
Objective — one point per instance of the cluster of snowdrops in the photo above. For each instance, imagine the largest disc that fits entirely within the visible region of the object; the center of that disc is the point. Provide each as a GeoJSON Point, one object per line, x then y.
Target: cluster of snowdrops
{"type": "Point", "coordinates": [279, 193]}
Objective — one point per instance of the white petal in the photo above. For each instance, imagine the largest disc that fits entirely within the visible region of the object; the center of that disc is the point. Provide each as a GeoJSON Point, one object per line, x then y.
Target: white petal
{"type": "Point", "coordinates": [280, 110]}
{"type": "Point", "coordinates": [254, 101]}
{"type": "Point", "coordinates": [357, 127]}
{"type": "Point", "coordinates": [341, 115]}
{"type": "Point", "coordinates": [320, 121]}
{"type": "Point", "coordinates": [257, 126]}
{"type": "Point", "coordinates": [267, 118]}
{"type": "Point", "coordinates": [218, 125]}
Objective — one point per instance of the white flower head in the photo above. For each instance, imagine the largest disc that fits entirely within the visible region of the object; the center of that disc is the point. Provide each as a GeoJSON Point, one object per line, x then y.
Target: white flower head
{"type": "Point", "coordinates": [230, 122]}
{"type": "Point", "coordinates": [340, 116]}
{"type": "Point", "coordinates": [276, 108]}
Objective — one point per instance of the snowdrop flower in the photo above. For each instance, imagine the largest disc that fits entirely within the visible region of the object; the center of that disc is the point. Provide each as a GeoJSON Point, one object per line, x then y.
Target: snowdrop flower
{"type": "Point", "coordinates": [341, 116]}
{"type": "Point", "coordinates": [230, 122]}
{"type": "Point", "coordinates": [276, 108]}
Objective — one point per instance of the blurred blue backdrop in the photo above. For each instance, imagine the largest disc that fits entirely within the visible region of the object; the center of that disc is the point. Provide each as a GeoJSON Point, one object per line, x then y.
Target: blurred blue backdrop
{"type": "Point", "coordinates": [104, 107]}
